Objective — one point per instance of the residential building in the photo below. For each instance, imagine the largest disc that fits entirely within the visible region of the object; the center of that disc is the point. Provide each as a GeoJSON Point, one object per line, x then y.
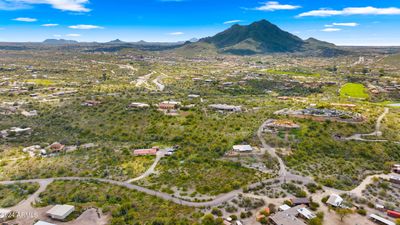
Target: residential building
{"type": "Point", "coordinates": [380, 220]}
{"type": "Point", "coordinates": [55, 147]}
{"type": "Point", "coordinates": [395, 179]}
{"type": "Point", "coordinates": [242, 148]}
{"type": "Point", "coordinates": [287, 217]}
{"type": "Point", "coordinates": [225, 107]}
{"type": "Point", "coordinates": [335, 200]}
{"type": "Point", "coordinates": [44, 223]}
{"type": "Point", "coordinates": [300, 201]}
{"type": "Point", "coordinates": [138, 105]}
{"type": "Point", "coordinates": [169, 105]}
{"type": "Point", "coordinates": [306, 214]}
{"type": "Point", "coordinates": [60, 212]}
{"type": "Point", "coordinates": [284, 207]}
{"type": "Point", "coordinates": [91, 103]}
{"type": "Point", "coordinates": [151, 151]}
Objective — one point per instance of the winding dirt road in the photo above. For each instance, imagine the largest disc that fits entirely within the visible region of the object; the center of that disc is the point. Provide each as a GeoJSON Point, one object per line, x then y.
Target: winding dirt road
{"type": "Point", "coordinates": [377, 132]}
{"type": "Point", "coordinates": [283, 176]}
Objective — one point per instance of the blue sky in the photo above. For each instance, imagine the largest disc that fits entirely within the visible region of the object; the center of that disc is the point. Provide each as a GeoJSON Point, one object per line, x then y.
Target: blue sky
{"type": "Point", "coordinates": [344, 22]}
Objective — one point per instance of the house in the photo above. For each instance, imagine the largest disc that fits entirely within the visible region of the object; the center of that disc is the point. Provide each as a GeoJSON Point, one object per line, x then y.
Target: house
{"type": "Point", "coordinates": [91, 103]}
{"type": "Point", "coordinates": [380, 220]}
{"type": "Point", "coordinates": [168, 105]}
{"type": "Point", "coordinates": [193, 96]}
{"type": "Point", "coordinates": [335, 200]}
{"type": "Point", "coordinates": [395, 179]}
{"type": "Point", "coordinates": [306, 214]}
{"type": "Point", "coordinates": [281, 124]}
{"type": "Point", "coordinates": [60, 212]}
{"type": "Point", "coordinates": [300, 201]}
{"type": "Point", "coordinates": [138, 105]}
{"type": "Point", "coordinates": [5, 214]}
{"type": "Point", "coordinates": [242, 148]}
{"type": "Point", "coordinates": [44, 223]}
{"type": "Point", "coordinates": [284, 207]}
{"type": "Point", "coordinates": [151, 151]}
{"type": "Point", "coordinates": [287, 217]}
{"type": "Point", "coordinates": [56, 147]}
{"type": "Point", "coordinates": [225, 107]}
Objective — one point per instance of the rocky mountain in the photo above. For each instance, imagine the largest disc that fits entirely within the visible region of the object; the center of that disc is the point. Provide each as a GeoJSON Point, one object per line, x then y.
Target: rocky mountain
{"type": "Point", "coordinates": [263, 37]}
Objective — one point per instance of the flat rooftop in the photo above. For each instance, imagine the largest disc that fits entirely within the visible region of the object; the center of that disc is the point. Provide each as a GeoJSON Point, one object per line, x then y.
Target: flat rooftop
{"type": "Point", "coordinates": [61, 210]}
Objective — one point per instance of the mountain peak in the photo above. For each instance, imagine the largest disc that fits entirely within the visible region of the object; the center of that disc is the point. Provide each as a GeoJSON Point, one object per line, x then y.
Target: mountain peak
{"type": "Point", "coordinates": [258, 37]}
{"type": "Point", "coordinates": [262, 37]}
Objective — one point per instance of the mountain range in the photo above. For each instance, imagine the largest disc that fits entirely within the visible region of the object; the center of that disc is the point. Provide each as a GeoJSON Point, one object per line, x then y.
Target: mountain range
{"type": "Point", "coordinates": [261, 37]}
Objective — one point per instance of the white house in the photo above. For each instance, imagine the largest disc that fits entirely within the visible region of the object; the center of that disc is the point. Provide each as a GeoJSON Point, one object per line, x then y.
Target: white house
{"type": "Point", "coordinates": [334, 200]}
{"type": "Point", "coordinates": [242, 148]}
{"type": "Point", "coordinates": [305, 213]}
{"type": "Point", "coordinates": [60, 212]}
{"type": "Point", "coordinates": [44, 223]}
{"type": "Point", "coordinates": [381, 219]}
{"type": "Point", "coordinates": [284, 207]}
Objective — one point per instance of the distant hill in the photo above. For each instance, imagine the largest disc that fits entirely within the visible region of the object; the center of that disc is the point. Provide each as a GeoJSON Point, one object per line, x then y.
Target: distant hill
{"type": "Point", "coordinates": [263, 37]}
{"type": "Point", "coordinates": [116, 41]}
{"type": "Point", "coordinates": [59, 42]}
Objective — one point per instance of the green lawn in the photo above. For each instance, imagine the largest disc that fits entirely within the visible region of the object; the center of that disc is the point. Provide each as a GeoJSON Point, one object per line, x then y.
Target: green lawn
{"type": "Point", "coordinates": [293, 73]}
{"type": "Point", "coordinates": [354, 90]}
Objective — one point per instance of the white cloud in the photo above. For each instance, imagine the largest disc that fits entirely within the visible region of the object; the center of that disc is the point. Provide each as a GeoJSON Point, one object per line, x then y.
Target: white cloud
{"type": "Point", "coordinates": [57, 35]}
{"type": "Point", "coordinates": [272, 6]}
{"type": "Point", "coordinates": [73, 35]}
{"type": "Point", "coordinates": [346, 24]}
{"type": "Point", "coordinates": [342, 25]}
{"type": "Point", "coordinates": [232, 21]}
{"type": "Point", "coordinates": [50, 25]}
{"type": "Point", "coordinates": [25, 19]}
{"type": "Point", "coordinates": [369, 10]}
{"type": "Point", "coordinates": [331, 29]}
{"type": "Point", "coordinates": [85, 27]}
{"type": "Point", "coordinates": [64, 5]}
{"type": "Point", "coordinates": [176, 33]}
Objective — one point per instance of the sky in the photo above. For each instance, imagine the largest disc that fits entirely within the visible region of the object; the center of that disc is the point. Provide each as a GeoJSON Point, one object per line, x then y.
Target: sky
{"type": "Point", "coordinates": [343, 22]}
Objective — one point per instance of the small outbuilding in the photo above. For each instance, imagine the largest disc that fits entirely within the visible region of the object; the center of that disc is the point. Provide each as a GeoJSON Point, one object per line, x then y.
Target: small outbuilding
{"type": "Point", "coordinates": [60, 212]}
{"type": "Point", "coordinates": [334, 200]}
